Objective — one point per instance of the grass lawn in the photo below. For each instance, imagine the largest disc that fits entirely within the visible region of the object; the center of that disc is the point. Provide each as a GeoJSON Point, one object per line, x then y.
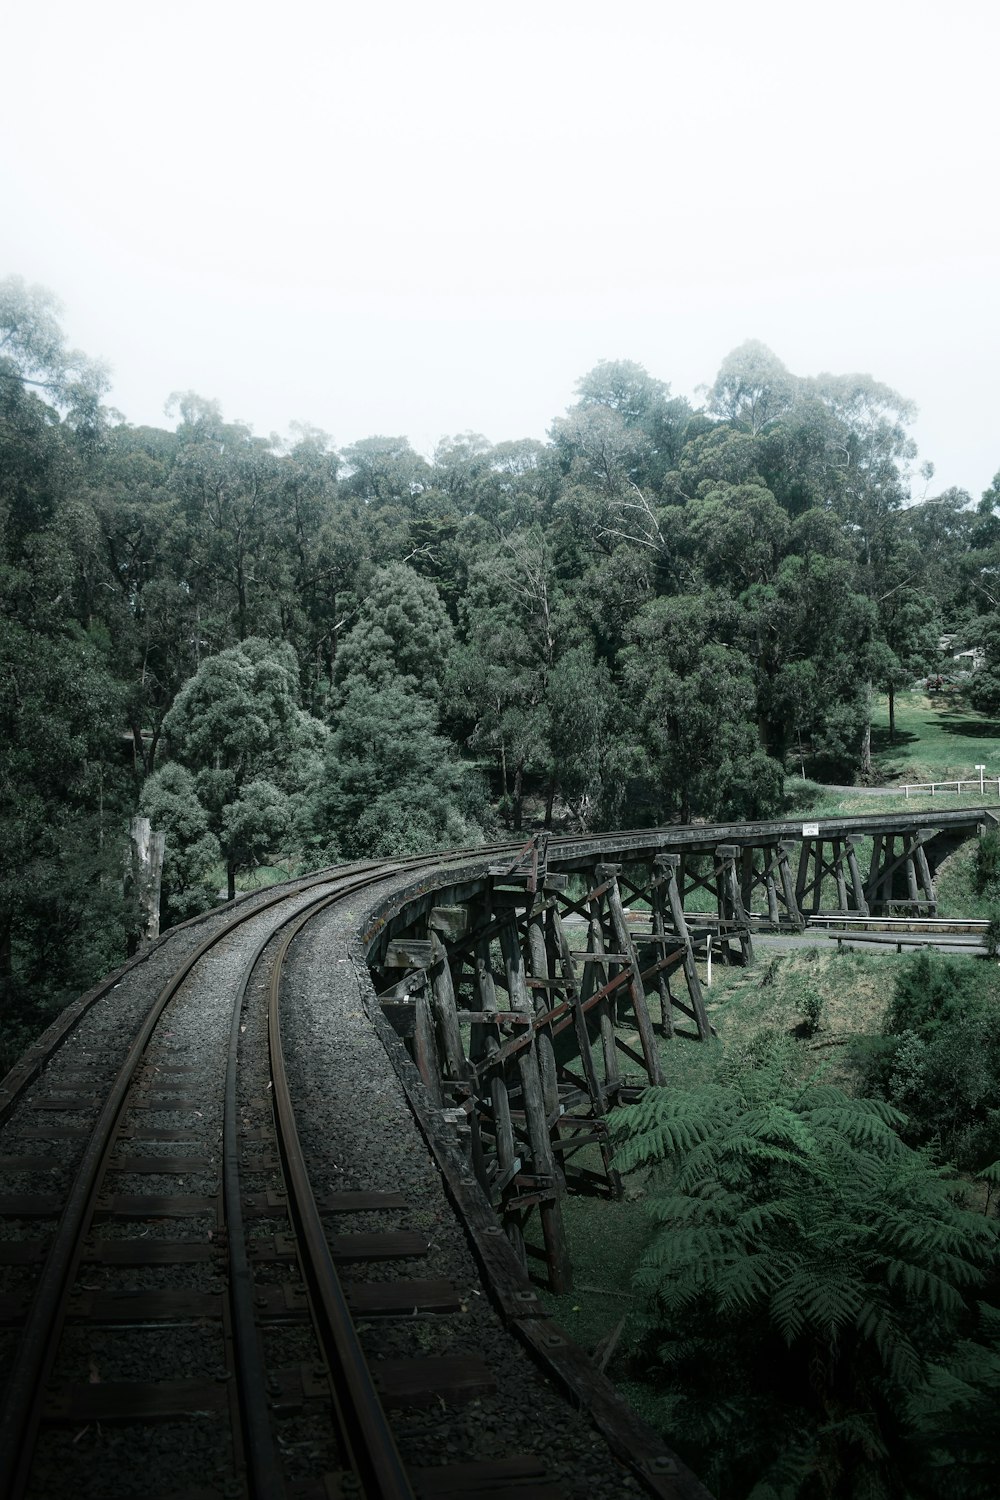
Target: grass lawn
{"type": "Point", "coordinates": [937, 739]}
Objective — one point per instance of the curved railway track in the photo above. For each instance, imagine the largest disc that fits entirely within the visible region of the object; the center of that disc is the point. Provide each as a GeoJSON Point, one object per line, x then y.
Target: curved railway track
{"type": "Point", "coordinates": [208, 1249]}
{"type": "Point", "coordinates": [159, 1125]}
{"type": "Point", "coordinates": [177, 1318]}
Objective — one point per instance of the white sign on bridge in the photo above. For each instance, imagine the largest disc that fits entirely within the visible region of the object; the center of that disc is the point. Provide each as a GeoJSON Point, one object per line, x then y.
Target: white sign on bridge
{"type": "Point", "coordinates": [810, 830]}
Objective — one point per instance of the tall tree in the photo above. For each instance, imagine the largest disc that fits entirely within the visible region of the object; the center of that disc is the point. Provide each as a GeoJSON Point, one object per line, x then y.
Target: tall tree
{"type": "Point", "coordinates": [227, 482]}
{"type": "Point", "coordinates": [753, 388]}
{"type": "Point", "coordinates": [236, 725]}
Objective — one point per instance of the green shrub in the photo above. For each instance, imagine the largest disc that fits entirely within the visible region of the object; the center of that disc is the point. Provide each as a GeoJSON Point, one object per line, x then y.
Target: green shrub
{"type": "Point", "coordinates": [939, 1059]}
{"type": "Point", "coordinates": [812, 1012]}
{"type": "Point", "coordinates": [987, 870]}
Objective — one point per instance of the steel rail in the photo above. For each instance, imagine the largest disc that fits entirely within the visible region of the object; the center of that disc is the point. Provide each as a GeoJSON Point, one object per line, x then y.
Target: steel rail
{"type": "Point", "coordinates": [30, 1064]}
{"type": "Point", "coordinates": [21, 1415]}
{"type": "Point", "coordinates": [264, 1473]}
{"type": "Point", "coordinates": [43, 1049]}
{"type": "Point", "coordinates": [20, 1419]}
{"type": "Point", "coordinates": [371, 1445]}
{"type": "Point", "coordinates": [637, 841]}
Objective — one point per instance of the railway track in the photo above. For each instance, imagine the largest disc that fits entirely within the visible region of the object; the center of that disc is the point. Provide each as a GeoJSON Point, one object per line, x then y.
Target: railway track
{"type": "Point", "coordinates": [189, 1309]}
{"type": "Point", "coordinates": [158, 1226]}
{"type": "Point", "coordinates": [231, 1266]}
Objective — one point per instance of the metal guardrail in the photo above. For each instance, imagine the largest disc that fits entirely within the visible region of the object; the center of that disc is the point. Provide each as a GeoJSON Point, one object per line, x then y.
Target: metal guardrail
{"type": "Point", "coordinates": [902, 924]}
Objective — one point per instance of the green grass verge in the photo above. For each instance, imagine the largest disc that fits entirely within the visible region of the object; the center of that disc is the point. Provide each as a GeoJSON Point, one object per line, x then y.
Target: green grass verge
{"type": "Point", "coordinates": [937, 738]}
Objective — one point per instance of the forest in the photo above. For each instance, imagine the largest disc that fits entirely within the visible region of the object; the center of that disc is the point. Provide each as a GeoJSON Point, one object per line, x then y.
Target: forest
{"type": "Point", "coordinates": [288, 653]}
{"type": "Point", "coordinates": [283, 650]}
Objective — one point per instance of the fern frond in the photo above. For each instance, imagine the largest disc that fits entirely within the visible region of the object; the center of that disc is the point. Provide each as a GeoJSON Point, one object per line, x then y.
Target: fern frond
{"type": "Point", "coordinates": [917, 1281]}
{"type": "Point", "coordinates": [898, 1357]}
{"type": "Point", "coordinates": [786, 1310]}
{"type": "Point", "coordinates": [746, 1282]}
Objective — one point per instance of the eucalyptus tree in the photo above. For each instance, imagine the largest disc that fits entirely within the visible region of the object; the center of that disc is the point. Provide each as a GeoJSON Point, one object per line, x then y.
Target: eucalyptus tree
{"type": "Point", "coordinates": [61, 919]}
{"type": "Point", "coordinates": [604, 494]}
{"type": "Point", "coordinates": [401, 631]}
{"type": "Point", "coordinates": [526, 650]}
{"type": "Point", "coordinates": [61, 810]}
{"type": "Point", "coordinates": [227, 483]}
{"type": "Point", "coordinates": [753, 388]}
{"type": "Point", "coordinates": [516, 488]}
{"type": "Point", "coordinates": [500, 675]}
{"type": "Point", "coordinates": [644, 403]}
{"type": "Point", "coordinates": [697, 701]}
{"type": "Point", "coordinates": [253, 753]}
{"type": "Point", "coordinates": [384, 471]}
{"type": "Point", "coordinates": [391, 783]}
{"type": "Point", "coordinates": [35, 356]}
{"type": "Point", "coordinates": [142, 593]}
{"type": "Point", "coordinates": [327, 556]}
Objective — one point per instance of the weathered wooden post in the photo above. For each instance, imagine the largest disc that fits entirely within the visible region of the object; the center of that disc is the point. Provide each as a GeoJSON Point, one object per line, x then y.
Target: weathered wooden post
{"type": "Point", "coordinates": [662, 877]}
{"type": "Point", "coordinates": [549, 1205]}
{"type": "Point", "coordinates": [732, 915]}
{"type": "Point", "coordinates": [442, 922]}
{"type": "Point", "coordinates": [786, 848]}
{"type": "Point", "coordinates": [539, 980]}
{"type": "Point", "coordinates": [860, 900]}
{"type": "Point", "coordinates": [487, 1044]}
{"type": "Point", "coordinates": [559, 943]}
{"type": "Point", "coordinates": [595, 977]}
{"type": "Point", "coordinates": [669, 864]}
{"type": "Point", "coordinates": [926, 879]}
{"type": "Point", "coordinates": [608, 874]}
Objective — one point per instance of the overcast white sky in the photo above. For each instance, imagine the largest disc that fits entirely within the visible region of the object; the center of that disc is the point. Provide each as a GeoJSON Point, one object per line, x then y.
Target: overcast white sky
{"type": "Point", "coordinates": [430, 218]}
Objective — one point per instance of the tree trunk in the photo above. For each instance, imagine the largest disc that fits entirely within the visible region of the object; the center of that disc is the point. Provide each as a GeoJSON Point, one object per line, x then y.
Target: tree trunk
{"type": "Point", "coordinates": [866, 739]}
{"type": "Point", "coordinates": [139, 749]}
{"type": "Point", "coordinates": [518, 796]}
{"type": "Point", "coordinates": [230, 881]}
{"type": "Point", "coordinates": [241, 601]}
{"type": "Point", "coordinates": [550, 797]}
{"type": "Point", "coordinates": [892, 713]}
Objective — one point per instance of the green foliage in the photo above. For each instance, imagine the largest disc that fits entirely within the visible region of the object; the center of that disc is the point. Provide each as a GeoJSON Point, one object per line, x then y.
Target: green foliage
{"type": "Point", "coordinates": [939, 1059]}
{"type": "Point", "coordinates": [812, 1011]}
{"type": "Point", "coordinates": [390, 782]}
{"type": "Point", "coordinates": [648, 616]}
{"type": "Point", "coordinates": [697, 705]}
{"type": "Point", "coordinates": [993, 935]}
{"type": "Point", "coordinates": [984, 689]}
{"type": "Point", "coordinates": [987, 867]}
{"type": "Point", "coordinates": [191, 851]}
{"type": "Point", "coordinates": [813, 1288]}
{"type": "Point", "coordinates": [402, 634]}
{"type": "Point", "coordinates": [62, 917]}
{"type": "Point", "coordinates": [253, 755]}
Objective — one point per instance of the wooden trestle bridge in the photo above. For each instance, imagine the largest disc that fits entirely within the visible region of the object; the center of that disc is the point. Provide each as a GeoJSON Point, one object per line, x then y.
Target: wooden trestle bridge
{"type": "Point", "coordinates": [532, 995]}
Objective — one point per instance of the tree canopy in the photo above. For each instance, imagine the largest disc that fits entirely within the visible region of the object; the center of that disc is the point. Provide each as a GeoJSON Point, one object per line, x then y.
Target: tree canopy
{"type": "Point", "coordinates": [643, 617]}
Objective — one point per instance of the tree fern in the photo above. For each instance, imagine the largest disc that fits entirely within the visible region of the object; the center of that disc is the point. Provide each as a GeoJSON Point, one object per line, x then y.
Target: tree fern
{"type": "Point", "coordinates": [801, 1252]}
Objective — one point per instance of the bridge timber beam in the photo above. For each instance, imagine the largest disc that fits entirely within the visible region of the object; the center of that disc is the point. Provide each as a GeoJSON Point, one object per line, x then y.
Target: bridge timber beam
{"type": "Point", "coordinates": [537, 994]}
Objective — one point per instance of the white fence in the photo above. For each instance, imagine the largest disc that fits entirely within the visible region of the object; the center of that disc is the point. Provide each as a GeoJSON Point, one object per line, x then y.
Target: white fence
{"type": "Point", "coordinates": [981, 783]}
